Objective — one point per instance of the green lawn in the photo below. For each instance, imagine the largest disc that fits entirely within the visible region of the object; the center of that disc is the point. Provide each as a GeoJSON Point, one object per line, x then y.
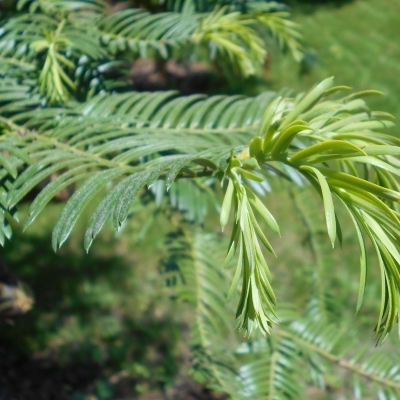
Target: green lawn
{"type": "Point", "coordinates": [358, 43]}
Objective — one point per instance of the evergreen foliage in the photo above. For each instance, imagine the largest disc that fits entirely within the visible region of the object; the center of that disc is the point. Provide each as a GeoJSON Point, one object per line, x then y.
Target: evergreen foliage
{"type": "Point", "coordinates": [62, 112]}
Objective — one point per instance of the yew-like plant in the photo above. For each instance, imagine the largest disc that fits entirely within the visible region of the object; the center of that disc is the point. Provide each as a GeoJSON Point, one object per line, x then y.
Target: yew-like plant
{"type": "Point", "coordinates": [64, 114]}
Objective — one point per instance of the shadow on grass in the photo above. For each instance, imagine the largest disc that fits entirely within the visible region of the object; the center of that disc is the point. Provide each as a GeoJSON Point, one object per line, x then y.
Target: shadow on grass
{"type": "Point", "coordinates": [96, 323]}
{"type": "Point", "coordinates": [310, 6]}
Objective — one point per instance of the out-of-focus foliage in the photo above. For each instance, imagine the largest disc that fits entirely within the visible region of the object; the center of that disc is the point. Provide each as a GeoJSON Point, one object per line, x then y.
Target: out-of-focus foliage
{"type": "Point", "coordinates": [76, 48]}
{"type": "Point", "coordinates": [99, 323]}
{"type": "Point", "coordinates": [304, 348]}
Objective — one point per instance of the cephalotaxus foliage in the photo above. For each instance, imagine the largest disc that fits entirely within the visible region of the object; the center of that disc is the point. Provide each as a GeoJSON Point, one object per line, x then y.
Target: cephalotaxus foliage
{"type": "Point", "coordinates": [64, 115]}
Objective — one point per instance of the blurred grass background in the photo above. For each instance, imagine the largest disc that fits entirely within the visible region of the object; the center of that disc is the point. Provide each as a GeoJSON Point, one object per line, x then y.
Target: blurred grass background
{"type": "Point", "coordinates": [355, 41]}
{"type": "Point", "coordinates": [94, 316]}
{"type": "Point", "coordinates": [106, 318]}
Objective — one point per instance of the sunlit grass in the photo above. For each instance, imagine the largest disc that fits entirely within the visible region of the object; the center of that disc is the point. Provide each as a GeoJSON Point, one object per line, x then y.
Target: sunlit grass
{"type": "Point", "coordinates": [358, 43]}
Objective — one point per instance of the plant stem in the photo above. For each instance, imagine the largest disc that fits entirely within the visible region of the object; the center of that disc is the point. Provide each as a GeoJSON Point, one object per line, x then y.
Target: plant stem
{"type": "Point", "coordinates": [341, 362]}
